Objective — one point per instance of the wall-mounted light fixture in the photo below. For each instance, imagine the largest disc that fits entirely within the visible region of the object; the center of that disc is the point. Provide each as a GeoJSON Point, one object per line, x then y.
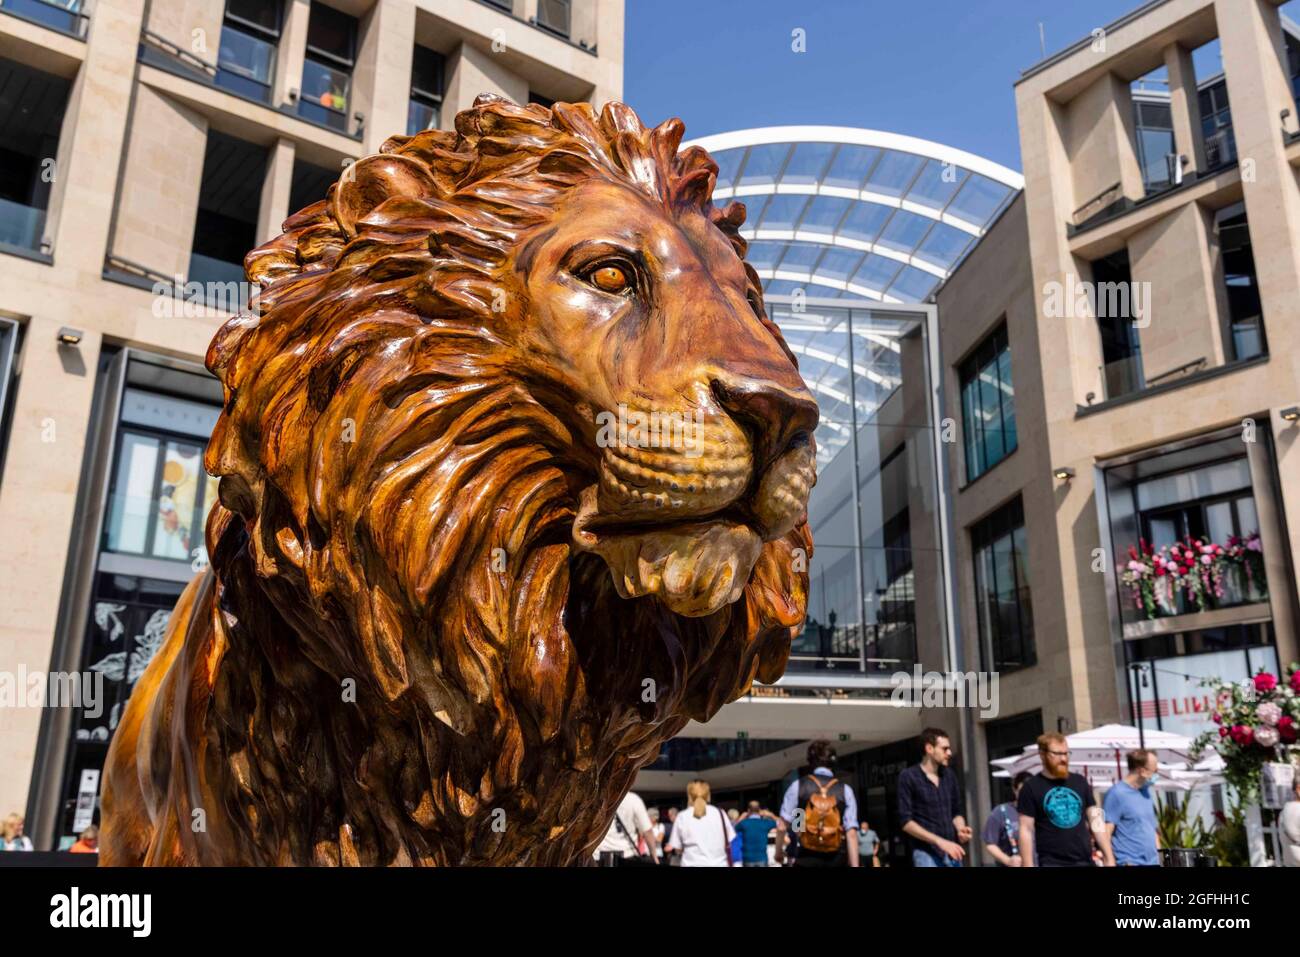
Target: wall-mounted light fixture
{"type": "Point", "coordinates": [69, 336]}
{"type": "Point", "coordinates": [1063, 474]}
{"type": "Point", "coordinates": [1291, 413]}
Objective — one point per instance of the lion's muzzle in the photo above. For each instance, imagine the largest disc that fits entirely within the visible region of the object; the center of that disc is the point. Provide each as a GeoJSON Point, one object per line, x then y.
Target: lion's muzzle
{"type": "Point", "coordinates": [685, 521]}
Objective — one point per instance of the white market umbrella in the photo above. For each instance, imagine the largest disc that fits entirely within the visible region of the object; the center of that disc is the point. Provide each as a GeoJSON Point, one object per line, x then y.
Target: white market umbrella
{"type": "Point", "coordinates": [1098, 754]}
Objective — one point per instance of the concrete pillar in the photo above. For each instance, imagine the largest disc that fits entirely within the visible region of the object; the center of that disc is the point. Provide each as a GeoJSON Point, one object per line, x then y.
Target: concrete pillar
{"type": "Point", "coordinates": [38, 499]}
{"type": "Point", "coordinates": [382, 79]}
{"type": "Point", "coordinates": [273, 209]}
{"type": "Point", "coordinates": [1185, 106]}
{"type": "Point", "coordinates": [1049, 202]}
{"type": "Point", "coordinates": [471, 71]}
{"type": "Point", "coordinates": [1254, 62]}
{"type": "Point", "coordinates": [94, 133]}
{"type": "Point", "coordinates": [609, 44]}
{"type": "Point", "coordinates": [1172, 263]}
{"type": "Point", "coordinates": [159, 198]}
{"type": "Point", "coordinates": [291, 53]}
{"type": "Point", "coordinates": [1100, 135]}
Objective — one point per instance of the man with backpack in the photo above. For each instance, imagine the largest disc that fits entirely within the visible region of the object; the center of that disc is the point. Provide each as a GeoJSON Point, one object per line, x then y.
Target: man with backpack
{"type": "Point", "coordinates": [822, 813]}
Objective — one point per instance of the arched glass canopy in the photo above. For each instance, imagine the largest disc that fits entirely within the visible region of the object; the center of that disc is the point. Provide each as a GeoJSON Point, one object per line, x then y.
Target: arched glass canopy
{"type": "Point", "coordinates": [860, 221]}
{"type": "Point", "coordinates": [859, 214]}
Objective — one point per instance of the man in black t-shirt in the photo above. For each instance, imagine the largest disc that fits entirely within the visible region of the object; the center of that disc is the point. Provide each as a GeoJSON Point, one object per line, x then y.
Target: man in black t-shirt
{"type": "Point", "coordinates": [1059, 819]}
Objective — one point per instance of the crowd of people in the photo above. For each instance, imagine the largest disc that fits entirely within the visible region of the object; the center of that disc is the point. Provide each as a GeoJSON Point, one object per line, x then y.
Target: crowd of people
{"type": "Point", "coordinates": [12, 837]}
{"type": "Point", "coordinates": [1052, 820]}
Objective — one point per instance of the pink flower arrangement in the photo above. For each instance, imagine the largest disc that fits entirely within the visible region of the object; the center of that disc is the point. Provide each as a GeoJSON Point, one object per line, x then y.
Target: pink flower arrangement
{"type": "Point", "coordinates": [1251, 718]}
{"type": "Point", "coordinates": [1194, 567]}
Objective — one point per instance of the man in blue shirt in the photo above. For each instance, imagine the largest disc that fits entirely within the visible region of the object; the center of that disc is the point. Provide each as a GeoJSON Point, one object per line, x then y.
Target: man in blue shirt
{"type": "Point", "coordinates": [753, 829]}
{"type": "Point", "coordinates": [1131, 815]}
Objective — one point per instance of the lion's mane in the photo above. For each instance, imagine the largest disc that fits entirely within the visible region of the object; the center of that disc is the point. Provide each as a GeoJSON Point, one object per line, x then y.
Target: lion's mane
{"type": "Point", "coordinates": [395, 517]}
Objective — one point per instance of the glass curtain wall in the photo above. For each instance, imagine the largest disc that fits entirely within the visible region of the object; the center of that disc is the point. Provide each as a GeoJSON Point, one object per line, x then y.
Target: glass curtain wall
{"type": "Point", "coordinates": [877, 581]}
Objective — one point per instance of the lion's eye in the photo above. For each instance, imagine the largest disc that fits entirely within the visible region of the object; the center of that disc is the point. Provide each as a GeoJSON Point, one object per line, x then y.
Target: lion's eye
{"type": "Point", "coordinates": [609, 278]}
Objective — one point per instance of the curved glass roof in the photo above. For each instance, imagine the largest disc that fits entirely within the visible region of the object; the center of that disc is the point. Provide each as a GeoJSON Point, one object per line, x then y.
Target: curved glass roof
{"type": "Point", "coordinates": [857, 214]}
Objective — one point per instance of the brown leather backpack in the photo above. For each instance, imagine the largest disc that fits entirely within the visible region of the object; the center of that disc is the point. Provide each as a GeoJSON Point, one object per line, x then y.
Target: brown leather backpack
{"type": "Point", "coordinates": [823, 830]}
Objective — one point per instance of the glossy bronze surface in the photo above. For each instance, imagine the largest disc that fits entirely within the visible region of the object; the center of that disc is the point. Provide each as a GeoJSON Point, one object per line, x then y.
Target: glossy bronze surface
{"type": "Point", "coordinates": [514, 477]}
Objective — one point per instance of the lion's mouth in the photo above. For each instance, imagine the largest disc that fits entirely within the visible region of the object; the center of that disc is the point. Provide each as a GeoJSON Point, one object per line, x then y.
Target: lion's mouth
{"type": "Point", "coordinates": [696, 566]}
{"type": "Point", "coordinates": [695, 551]}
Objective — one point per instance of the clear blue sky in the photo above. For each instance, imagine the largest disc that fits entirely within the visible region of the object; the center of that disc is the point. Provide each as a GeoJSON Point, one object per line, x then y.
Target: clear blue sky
{"type": "Point", "coordinates": [938, 69]}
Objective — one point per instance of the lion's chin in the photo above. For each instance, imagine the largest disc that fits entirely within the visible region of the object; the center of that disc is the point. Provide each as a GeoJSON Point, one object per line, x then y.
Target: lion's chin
{"type": "Point", "coordinates": [695, 568]}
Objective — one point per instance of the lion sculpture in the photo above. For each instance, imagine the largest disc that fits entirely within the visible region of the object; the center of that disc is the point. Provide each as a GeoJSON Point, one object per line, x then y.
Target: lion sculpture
{"type": "Point", "coordinates": [449, 614]}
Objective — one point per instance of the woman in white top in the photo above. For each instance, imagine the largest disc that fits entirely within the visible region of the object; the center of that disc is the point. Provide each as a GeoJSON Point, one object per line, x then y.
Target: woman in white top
{"type": "Point", "coordinates": [12, 837]}
{"type": "Point", "coordinates": [1289, 825]}
{"type": "Point", "coordinates": [702, 832]}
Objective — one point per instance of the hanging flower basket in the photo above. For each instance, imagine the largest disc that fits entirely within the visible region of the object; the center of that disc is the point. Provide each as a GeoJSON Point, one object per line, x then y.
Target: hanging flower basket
{"type": "Point", "coordinates": [1194, 575]}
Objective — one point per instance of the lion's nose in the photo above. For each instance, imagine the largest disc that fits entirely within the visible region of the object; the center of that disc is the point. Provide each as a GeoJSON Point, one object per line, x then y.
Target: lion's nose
{"type": "Point", "coordinates": [776, 418]}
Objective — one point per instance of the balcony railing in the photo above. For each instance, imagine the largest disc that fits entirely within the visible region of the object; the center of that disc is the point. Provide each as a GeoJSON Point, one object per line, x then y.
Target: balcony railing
{"type": "Point", "coordinates": [1220, 149]}
{"type": "Point", "coordinates": [421, 116]}
{"type": "Point", "coordinates": [62, 15]}
{"type": "Point", "coordinates": [1123, 376]}
{"type": "Point", "coordinates": [885, 648]}
{"type": "Point", "coordinates": [21, 226]}
{"type": "Point", "coordinates": [245, 64]}
{"type": "Point", "coordinates": [223, 282]}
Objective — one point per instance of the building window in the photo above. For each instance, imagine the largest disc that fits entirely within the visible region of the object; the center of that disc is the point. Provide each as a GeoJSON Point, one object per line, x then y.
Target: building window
{"type": "Point", "coordinates": [555, 15]}
{"type": "Point", "coordinates": [988, 407]}
{"type": "Point", "coordinates": [1245, 312]}
{"type": "Point", "coordinates": [1121, 349]}
{"type": "Point", "coordinates": [1155, 144]}
{"type": "Point", "coordinates": [225, 226]}
{"type": "Point", "coordinates": [1003, 607]}
{"type": "Point", "coordinates": [250, 34]}
{"type": "Point", "coordinates": [10, 334]}
{"type": "Point", "coordinates": [895, 636]}
{"type": "Point", "coordinates": [32, 104]}
{"type": "Point", "coordinates": [1216, 125]}
{"type": "Point", "coordinates": [161, 495]}
{"type": "Point", "coordinates": [327, 70]}
{"type": "Point", "coordinates": [425, 109]}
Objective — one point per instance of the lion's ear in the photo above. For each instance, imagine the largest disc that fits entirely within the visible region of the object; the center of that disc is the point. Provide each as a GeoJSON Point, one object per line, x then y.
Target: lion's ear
{"type": "Point", "coordinates": [367, 183]}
